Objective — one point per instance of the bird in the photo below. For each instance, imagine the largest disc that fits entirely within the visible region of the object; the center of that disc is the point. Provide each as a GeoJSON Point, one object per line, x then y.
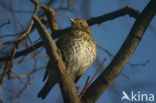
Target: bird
{"type": "Point", "coordinates": [78, 51]}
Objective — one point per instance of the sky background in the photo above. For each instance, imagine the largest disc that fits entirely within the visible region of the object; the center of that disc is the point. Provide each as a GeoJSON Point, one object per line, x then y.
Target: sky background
{"type": "Point", "coordinates": [110, 35]}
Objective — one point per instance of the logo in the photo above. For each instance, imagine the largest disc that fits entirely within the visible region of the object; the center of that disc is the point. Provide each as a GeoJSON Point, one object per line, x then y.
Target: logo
{"type": "Point", "coordinates": [138, 96]}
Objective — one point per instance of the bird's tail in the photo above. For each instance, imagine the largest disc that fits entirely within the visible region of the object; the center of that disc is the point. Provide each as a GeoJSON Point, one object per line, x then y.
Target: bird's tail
{"type": "Point", "coordinates": [46, 88]}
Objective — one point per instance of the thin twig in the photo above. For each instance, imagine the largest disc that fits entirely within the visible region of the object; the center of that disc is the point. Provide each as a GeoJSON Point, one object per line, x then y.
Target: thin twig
{"type": "Point", "coordinates": [134, 37]}
{"type": "Point", "coordinates": [8, 66]}
{"type": "Point", "coordinates": [28, 74]}
{"type": "Point", "coordinates": [3, 24]}
{"type": "Point", "coordinates": [125, 11]}
{"type": "Point", "coordinates": [111, 56]}
{"type": "Point", "coordinates": [89, 83]}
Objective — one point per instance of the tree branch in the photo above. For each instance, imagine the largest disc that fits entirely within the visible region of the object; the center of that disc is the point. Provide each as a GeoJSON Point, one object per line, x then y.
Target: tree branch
{"type": "Point", "coordinates": [67, 85]}
{"type": "Point", "coordinates": [123, 55]}
{"type": "Point", "coordinates": [5, 23]}
{"type": "Point", "coordinates": [110, 16]}
{"type": "Point", "coordinates": [56, 33]}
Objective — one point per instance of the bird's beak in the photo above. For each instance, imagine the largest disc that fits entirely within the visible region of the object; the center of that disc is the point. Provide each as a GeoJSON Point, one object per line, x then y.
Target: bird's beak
{"type": "Point", "coordinates": [72, 20]}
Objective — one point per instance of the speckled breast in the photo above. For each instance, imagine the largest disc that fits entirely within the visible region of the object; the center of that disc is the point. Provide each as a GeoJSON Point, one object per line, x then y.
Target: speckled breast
{"type": "Point", "coordinates": [78, 50]}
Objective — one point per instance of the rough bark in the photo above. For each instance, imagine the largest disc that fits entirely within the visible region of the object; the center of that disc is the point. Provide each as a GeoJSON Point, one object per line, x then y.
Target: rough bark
{"type": "Point", "coordinates": [119, 61]}
{"type": "Point", "coordinates": [67, 84]}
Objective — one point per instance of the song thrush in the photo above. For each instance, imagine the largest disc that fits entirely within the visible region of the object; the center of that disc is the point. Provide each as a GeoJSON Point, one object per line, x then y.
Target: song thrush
{"type": "Point", "coordinates": [78, 51]}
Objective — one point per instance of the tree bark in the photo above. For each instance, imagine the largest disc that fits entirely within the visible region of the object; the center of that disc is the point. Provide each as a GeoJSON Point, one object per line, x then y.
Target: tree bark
{"type": "Point", "coordinates": [66, 82]}
{"type": "Point", "coordinates": [119, 61]}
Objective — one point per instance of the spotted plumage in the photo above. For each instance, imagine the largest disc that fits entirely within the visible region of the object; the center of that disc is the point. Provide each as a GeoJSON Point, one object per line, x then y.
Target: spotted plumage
{"type": "Point", "coordinates": [78, 50]}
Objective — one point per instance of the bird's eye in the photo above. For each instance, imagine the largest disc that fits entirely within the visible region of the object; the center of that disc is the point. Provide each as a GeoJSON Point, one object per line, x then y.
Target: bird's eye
{"type": "Point", "coordinates": [80, 23]}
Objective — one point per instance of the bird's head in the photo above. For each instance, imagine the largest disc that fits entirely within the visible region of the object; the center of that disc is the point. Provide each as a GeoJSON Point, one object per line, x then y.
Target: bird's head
{"type": "Point", "coordinates": [80, 24]}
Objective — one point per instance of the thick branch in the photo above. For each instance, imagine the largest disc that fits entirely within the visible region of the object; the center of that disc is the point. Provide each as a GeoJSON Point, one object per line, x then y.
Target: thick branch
{"type": "Point", "coordinates": [123, 55]}
{"type": "Point", "coordinates": [67, 85]}
{"type": "Point", "coordinates": [124, 11]}
{"type": "Point", "coordinates": [110, 16]}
